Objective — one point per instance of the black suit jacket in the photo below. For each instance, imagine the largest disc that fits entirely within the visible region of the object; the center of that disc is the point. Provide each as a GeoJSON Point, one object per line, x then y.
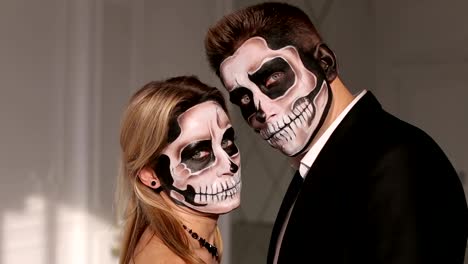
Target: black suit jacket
{"type": "Point", "coordinates": [380, 191]}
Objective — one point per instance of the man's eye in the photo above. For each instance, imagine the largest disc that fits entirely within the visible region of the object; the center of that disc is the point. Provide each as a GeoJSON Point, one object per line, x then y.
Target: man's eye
{"type": "Point", "coordinates": [274, 78]}
{"type": "Point", "coordinates": [245, 99]}
{"type": "Point", "coordinates": [226, 143]}
{"type": "Point", "coordinates": [201, 155]}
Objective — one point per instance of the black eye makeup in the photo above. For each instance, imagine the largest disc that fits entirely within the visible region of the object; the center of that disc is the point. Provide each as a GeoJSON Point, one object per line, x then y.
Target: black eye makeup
{"type": "Point", "coordinates": [228, 142]}
{"type": "Point", "coordinates": [243, 98]}
{"type": "Point", "coordinates": [198, 155]}
{"type": "Point", "coordinates": [274, 78]}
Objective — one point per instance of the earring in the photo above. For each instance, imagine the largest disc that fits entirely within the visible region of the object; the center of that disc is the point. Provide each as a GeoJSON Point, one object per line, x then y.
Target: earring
{"type": "Point", "coordinates": [153, 183]}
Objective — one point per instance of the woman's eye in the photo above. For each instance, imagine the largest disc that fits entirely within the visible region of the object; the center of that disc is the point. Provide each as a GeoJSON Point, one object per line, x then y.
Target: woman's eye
{"type": "Point", "coordinates": [245, 99]}
{"type": "Point", "coordinates": [272, 79]}
{"type": "Point", "coordinates": [200, 155]}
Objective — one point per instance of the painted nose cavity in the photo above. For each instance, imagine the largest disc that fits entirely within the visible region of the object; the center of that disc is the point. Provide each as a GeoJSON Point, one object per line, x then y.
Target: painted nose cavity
{"type": "Point", "coordinates": [233, 168]}
{"type": "Point", "coordinates": [264, 112]}
{"type": "Point", "coordinates": [260, 115]}
{"type": "Point", "coordinates": [226, 166]}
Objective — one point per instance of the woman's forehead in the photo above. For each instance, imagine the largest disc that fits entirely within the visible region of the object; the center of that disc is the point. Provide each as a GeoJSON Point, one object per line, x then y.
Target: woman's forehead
{"type": "Point", "coordinates": [203, 117]}
{"type": "Point", "coordinates": [204, 121]}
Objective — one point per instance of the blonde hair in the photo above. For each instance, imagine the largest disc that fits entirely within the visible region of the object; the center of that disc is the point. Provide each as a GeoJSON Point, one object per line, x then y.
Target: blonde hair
{"type": "Point", "coordinates": [144, 134]}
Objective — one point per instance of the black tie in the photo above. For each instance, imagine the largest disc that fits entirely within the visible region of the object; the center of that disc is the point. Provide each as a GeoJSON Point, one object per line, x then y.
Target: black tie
{"type": "Point", "coordinates": [296, 183]}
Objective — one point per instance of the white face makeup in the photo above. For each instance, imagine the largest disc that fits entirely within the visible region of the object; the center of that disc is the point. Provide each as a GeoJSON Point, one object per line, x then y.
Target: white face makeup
{"type": "Point", "coordinates": [204, 161]}
{"type": "Point", "coordinates": [279, 97]}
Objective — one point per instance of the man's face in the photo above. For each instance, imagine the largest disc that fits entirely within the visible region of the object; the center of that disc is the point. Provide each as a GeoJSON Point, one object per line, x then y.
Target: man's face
{"type": "Point", "coordinates": [278, 96]}
{"type": "Point", "coordinates": [204, 162]}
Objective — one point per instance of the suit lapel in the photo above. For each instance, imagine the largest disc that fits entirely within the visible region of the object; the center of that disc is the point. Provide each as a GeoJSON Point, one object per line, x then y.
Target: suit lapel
{"type": "Point", "coordinates": [361, 115]}
{"type": "Point", "coordinates": [288, 200]}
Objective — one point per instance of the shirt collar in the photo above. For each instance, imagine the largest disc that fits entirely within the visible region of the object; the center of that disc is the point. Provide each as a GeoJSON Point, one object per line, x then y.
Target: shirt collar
{"type": "Point", "coordinates": [309, 158]}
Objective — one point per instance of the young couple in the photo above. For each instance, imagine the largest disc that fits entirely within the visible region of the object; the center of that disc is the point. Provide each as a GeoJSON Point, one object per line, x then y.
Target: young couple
{"type": "Point", "coordinates": [369, 188]}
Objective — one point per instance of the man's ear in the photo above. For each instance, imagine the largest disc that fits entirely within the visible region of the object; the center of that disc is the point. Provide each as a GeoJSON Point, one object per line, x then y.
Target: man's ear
{"type": "Point", "coordinates": [327, 61]}
{"type": "Point", "coordinates": [148, 178]}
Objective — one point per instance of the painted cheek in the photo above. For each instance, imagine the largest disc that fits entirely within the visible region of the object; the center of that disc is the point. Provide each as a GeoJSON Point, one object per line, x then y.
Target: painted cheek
{"type": "Point", "coordinates": [180, 175]}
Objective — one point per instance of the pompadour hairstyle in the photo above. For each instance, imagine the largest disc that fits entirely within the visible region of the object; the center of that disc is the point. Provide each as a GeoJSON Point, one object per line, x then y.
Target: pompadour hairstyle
{"type": "Point", "coordinates": [280, 24]}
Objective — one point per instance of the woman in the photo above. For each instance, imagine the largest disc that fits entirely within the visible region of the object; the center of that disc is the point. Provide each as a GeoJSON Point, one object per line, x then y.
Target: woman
{"type": "Point", "coordinates": [180, 170]}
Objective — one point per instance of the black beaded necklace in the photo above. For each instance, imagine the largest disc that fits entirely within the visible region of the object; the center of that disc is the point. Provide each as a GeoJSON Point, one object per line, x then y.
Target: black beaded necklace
{"type": "Point", "coordinates": [203, 243]}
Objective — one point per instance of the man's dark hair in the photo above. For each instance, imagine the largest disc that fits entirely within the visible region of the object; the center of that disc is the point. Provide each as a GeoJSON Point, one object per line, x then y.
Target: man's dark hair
{"type": "Point", "coordinates": [280, 24]}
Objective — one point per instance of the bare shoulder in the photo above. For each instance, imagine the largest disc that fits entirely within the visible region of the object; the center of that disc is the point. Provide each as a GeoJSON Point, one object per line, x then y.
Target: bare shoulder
{"type": "Point", "coordinates": [155, 252]}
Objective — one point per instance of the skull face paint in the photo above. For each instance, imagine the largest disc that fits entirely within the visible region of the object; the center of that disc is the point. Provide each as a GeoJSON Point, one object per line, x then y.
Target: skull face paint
{"type": "Point", "coordinates": [202, 167]}
{"type": "Point", "coordinates": [281, 99]}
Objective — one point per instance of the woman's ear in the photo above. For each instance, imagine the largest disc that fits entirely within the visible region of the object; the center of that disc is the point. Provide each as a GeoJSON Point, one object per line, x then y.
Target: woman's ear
{"type": "Point", "coordinates": [327, 61]}
{"type": "Point", "coordinates": [148, 178]}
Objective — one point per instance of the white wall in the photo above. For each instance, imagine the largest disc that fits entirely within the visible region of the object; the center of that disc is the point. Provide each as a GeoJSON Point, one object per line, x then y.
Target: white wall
{"type": "Point", "coordinates": [67, 69]}
{"type": "Point", "coordinates": [49, 160]}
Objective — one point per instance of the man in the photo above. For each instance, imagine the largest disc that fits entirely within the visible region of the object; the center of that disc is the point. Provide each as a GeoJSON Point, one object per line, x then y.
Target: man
{"type": "Point", "coordinates": [373, 189]}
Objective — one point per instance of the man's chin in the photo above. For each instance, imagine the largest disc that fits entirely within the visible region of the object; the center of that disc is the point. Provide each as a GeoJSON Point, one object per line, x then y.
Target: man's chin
{"type": "Point", "coordinates": [291, 148]}
{"type": "Point", "coordinates": [287, 150]}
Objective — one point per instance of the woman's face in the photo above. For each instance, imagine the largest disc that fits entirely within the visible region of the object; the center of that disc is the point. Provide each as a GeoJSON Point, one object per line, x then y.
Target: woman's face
{"type": "Point", "coordinates": [201, 167]}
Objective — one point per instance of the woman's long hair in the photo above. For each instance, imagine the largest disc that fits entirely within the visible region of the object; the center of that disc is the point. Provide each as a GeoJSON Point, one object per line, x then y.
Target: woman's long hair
{"type": "Point", "coordinates": [144, 134]}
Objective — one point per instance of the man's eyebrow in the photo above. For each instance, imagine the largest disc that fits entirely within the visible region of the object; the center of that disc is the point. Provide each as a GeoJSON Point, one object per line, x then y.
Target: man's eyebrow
{"type": "Point", "coordinates": [269, 65]}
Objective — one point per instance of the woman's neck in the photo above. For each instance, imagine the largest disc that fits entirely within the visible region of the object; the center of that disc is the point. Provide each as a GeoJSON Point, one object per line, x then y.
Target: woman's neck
{"type": "Point", "coordinates": [204, 225]}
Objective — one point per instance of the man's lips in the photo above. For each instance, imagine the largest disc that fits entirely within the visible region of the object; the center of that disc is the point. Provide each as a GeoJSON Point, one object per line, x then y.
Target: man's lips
{"type": "Point", "coordinates": [301, 113]}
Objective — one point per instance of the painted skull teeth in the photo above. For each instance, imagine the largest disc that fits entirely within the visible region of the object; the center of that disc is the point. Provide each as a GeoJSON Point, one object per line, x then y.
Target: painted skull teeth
{"type": "Point", "coordinates": [284, 128]}
{"type": "Point", "coordinates": [220, 191]}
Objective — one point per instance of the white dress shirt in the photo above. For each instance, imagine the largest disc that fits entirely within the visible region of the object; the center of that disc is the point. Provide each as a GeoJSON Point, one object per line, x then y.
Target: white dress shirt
{"type": "Point", "coordinates": [309, 158]}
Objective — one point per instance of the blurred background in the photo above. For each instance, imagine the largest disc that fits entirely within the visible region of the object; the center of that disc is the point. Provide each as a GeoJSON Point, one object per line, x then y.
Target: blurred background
{"type": "Point", "coordinates": [67, 68]}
